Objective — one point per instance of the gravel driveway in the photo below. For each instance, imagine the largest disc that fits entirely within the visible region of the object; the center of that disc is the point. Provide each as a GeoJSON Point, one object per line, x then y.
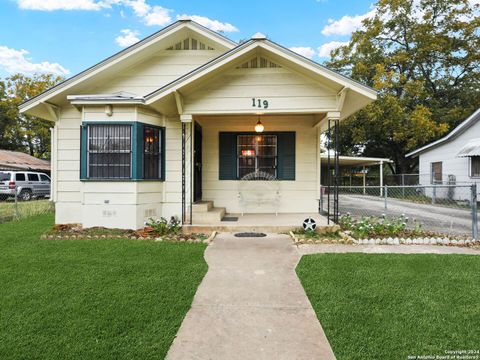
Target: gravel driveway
{"type": "Point", "coordinates": [432, 217]}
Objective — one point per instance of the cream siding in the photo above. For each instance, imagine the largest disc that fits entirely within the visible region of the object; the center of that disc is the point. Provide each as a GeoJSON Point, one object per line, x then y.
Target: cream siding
{"type": "Point", "coordinates": [168, 65]}
{"type": "Point", "coordinates": [285, 91]}
{"type": "Point", "coordinates": [299, 195]}
{"type": "Point", "coordinates": [101, 203]}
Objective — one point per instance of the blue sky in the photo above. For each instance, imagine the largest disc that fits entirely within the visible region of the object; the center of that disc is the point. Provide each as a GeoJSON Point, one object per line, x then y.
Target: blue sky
{"type": "Point", "coordinates": [66, 36]}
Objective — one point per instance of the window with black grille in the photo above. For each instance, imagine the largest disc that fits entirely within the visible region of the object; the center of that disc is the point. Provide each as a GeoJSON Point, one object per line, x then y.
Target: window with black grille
{"type": "Point", "coordinates": [109, 151]}
{"type": "Point", "coordinates": [256, 153]}
{"type": "Point", "coordinates": [152, 153]}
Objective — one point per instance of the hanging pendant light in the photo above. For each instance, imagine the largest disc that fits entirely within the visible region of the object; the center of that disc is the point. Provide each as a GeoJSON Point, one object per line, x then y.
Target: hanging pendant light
{"type": "Point", "coordinates": [259, 127]}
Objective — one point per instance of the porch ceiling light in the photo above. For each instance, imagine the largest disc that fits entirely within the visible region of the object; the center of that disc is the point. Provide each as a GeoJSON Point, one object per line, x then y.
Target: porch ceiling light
{"type": "Point", "coordinates": [259, 127]}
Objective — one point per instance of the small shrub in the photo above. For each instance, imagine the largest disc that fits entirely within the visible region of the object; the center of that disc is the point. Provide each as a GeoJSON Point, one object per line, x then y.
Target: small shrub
{"type": "Point", "coordinates": [164, 227]}
{"type": "Point", "coordinates": [378, 226]}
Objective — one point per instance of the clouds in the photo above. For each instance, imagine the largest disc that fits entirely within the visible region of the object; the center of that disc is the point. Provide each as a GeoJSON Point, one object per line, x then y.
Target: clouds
{"type": "Point", "coordinates": [214, 25]}
{"type": "Point", "coordinates": [306, 51]}
{"type": "Point", "coordinates": [128, 37]}
{"type": "Point", "coordinates": [52, 5]}
{"type": "Point", "coordinates": [16, 61]}
{"type": "Point", "coordinates": [150, 15]}
{"type": "Point", "coordinates": [327, 48]}
{"type": "Point", "coordinates": [347, 24]}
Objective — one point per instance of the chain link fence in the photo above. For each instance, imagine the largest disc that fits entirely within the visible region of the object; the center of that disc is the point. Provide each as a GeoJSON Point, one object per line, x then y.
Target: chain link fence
{"type": "Point", "coordinates": [444, 209]}
{"type": "Point", "coordinates": [13, 206]}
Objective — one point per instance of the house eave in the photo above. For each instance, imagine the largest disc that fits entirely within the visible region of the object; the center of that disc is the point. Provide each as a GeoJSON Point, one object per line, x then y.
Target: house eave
{"type": "Point", "coordinates": [106, 63]}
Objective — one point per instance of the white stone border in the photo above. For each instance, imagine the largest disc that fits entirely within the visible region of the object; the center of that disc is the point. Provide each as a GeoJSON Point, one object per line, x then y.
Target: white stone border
{"type": "Point", "coordinates": [415, 241]}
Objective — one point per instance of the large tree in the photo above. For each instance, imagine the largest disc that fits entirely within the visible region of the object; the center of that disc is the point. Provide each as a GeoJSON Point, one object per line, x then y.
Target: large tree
{"type": "Point", "coordinates": [19, 131]}
{"type": "Point", "coordinates": [422, 56]}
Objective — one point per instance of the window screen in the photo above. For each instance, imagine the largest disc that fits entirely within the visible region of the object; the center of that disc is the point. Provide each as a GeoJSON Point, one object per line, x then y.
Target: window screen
{"type": "Point", "coordinates": [109, 151]}
{"type": "Point", "coordinates": [475, 166]}
{"type": "Point", "coordinates": [152, 165]}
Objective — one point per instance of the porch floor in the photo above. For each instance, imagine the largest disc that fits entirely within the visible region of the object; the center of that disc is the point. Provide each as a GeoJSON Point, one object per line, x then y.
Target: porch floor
{"type": "Point", "coordinates": [268, 223]}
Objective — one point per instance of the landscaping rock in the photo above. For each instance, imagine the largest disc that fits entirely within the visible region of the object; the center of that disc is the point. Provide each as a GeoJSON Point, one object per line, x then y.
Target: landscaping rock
{"type": "Point", "coordinates": [396, 241]}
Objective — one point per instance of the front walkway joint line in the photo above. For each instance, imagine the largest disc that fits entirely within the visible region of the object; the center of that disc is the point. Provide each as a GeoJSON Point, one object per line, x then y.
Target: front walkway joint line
{"type": "Point", "coordinates": [251, 305]}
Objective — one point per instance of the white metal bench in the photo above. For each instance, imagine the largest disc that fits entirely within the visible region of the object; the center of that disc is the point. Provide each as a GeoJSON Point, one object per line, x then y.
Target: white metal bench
{"type": "Point", "coordinates": [259, 189]}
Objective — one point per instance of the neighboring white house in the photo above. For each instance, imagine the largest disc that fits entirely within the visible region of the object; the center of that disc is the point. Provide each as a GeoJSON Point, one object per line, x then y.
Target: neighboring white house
{"type": "Point", "coordinates": [453, 159]}
{"type": "Point", "coordinates": [171, 121]}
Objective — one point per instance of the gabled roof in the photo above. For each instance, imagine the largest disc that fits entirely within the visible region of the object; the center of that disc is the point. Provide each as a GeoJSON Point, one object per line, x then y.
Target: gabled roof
{"type": "Point", "coordinates": [129, 51]}
{"type": "Point", "coordinates": [268, 45]}
{"type": "Point", "coordinates": [460, 129]}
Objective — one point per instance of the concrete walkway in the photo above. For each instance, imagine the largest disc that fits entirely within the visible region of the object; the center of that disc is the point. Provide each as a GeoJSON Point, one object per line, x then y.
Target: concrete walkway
{"type": "Point", "coordinates": [251, 305]}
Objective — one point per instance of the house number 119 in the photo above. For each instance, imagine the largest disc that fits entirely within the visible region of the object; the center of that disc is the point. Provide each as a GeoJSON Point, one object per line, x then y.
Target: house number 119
{"type": "Point", "coordinates": [259, 103]}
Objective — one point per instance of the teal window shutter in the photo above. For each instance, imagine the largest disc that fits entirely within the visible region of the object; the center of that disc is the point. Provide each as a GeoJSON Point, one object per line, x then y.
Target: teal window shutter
{"type": "Point", "coordinates": [137, 151]}
{"type": "Point", "coordinates": [162, 154]}
{"type": "Point", "coordinates": [227, 156]}
{"type": "Point", "coordinates": [286, 155]}
{"type": "Point", "coordinates": [83, 151]}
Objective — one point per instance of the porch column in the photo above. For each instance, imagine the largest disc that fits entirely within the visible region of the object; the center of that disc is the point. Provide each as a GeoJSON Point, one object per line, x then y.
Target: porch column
{"type": "Point", "coordinates": [187, 153]}
{"type": "Point", "coordinates": [381, 178]}
{"type": "Point", "coordinates": [364, 179]}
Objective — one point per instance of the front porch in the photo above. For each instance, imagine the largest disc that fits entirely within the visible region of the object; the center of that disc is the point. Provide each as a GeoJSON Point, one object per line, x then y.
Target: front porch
{"type": "Point", "coordinates": [251, 222]}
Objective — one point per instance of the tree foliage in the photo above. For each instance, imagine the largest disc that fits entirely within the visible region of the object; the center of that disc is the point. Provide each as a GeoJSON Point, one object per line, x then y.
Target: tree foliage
{"type": "Point", "coordinates": [22, 132]}
{"type": "Point", "coordinates": [422, 56]}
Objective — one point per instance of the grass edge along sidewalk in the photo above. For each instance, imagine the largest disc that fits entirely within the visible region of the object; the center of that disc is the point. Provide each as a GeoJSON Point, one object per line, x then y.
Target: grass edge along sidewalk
{"type": "Point", "coordinates": [384, 306]}
{"type": "Point", "coordinates": [112, 299]}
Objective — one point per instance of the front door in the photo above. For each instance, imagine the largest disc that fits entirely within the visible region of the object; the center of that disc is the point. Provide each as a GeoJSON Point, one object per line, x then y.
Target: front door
{"type": "Point", "coordinates": [197, 159]}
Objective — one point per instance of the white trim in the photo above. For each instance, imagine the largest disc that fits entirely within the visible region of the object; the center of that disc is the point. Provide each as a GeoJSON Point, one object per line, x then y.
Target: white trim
{"type": "Point", "coordinates": [248, 47]}
{"type": "Point", "coordinates": [116, 58]}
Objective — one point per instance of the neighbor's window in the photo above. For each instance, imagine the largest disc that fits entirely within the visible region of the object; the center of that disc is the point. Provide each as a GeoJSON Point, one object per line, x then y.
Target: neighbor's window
{"type": "Point", "coordinates": [436, 175]}
{"type": "Point", "coordinates": [152, 153]}
{"type": "Point", "coordinates": [475, 166]}
{"type": "Point", "coordinates": [256, 153]}
{"type": "Point", "coordinates": [109, 151]}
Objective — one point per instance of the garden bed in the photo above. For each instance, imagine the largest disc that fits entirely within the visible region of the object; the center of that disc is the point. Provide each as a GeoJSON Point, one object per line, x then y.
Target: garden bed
{"type": "Point", "coordinates": [158, 230]}
{"type": "Point", "coordinates": [379, 231]}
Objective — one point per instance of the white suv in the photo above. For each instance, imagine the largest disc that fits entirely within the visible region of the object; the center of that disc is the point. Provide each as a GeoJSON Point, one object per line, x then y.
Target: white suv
{"type": "Point", "coordinates": [28, 184]}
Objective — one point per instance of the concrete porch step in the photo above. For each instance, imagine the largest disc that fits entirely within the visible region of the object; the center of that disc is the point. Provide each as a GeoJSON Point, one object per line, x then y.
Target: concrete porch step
{"type": "Point", "coordinates": [202, 206]}
{"type": "Point", "coordinates": [214, 215]}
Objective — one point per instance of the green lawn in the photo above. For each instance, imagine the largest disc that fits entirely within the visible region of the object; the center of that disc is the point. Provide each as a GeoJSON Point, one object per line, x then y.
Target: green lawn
{"type": "Point", "coordinates": [376, 306]}
{"type": "Point", "coordinates": [99, 299]}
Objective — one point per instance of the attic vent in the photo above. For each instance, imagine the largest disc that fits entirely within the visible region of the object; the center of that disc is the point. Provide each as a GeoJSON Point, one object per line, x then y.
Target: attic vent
{"type": "Point", "coordinates": [258, 62]}
{"type": "Point", "coordinates": [190, 44]}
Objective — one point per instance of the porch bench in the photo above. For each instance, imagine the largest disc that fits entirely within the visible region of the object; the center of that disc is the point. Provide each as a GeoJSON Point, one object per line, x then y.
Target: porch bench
{"type": "Point", "coordinates": [259, 192]}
